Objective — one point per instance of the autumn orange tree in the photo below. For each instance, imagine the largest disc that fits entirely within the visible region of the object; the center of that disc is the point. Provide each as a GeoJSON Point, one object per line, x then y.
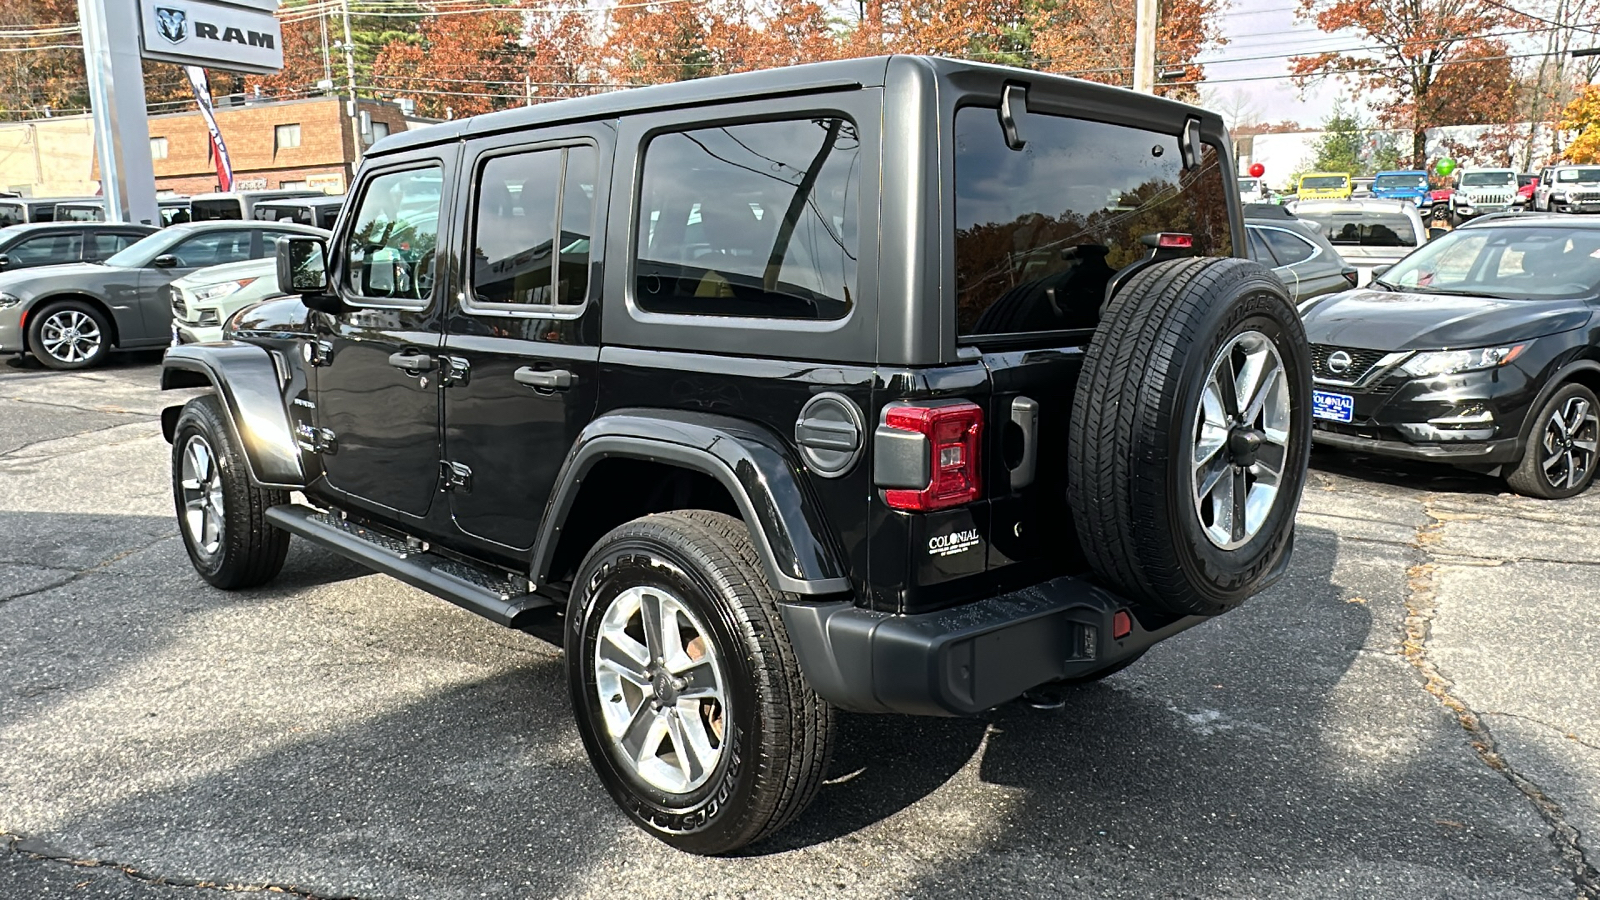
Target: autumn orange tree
{"type": "Point", "coordinates": [1093, 39]}
{"type": "Point", "coordinates": [459, 65]}
{"type": "Point", "coordinates": [1411, 67]}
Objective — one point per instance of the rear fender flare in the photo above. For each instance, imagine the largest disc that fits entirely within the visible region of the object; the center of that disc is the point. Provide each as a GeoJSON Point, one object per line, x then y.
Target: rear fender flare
{"type": "Point", "coordinates": [247, 381]}
{"type": "Point", "coordinates": [749, 462]}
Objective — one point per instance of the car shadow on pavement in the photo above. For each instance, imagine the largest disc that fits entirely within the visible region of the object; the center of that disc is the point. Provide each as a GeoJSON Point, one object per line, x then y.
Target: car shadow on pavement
{"type": "Point", "coordinates": [1415, 474]}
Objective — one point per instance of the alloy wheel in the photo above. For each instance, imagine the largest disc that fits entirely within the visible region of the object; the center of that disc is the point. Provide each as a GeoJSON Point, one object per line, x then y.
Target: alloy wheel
{"type": "Point", "coordinates": [1241, 440]}
{"type": "Point", "coordinates": [1571, 436]}
{"type": "Point", "coordinates": [661, 689]}
{"type": "Point", "coordinates": [70, 336]}
{"type": "Point", "coordinates": [201, 482]}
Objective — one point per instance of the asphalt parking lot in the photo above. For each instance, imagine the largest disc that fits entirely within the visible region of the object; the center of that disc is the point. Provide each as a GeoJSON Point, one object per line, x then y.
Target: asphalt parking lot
{"type": "Point", "coordinates": [1414, 712]}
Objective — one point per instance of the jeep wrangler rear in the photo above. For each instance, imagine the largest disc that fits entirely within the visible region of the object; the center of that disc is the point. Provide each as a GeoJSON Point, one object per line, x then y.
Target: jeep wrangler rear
{"type": "Point", "coordinates": [894, 385]}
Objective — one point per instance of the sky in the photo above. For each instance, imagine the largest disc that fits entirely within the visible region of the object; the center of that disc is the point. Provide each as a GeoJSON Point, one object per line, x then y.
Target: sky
{"type": "Point", "coordinates": [1269, 28]}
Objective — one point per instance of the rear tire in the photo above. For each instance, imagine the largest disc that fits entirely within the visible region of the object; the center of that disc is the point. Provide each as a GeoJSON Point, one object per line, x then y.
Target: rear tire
{"type": "Point", "coordinates": [221, 514]}
{"type": "Point", "coordinates": [715, 673]}
{"type": "Point", "coordinates": [1560, 456]}
{"type": "Point", "coordinates": [1183, 494]}
{"type": "Point", "coordinates": [69, 334]}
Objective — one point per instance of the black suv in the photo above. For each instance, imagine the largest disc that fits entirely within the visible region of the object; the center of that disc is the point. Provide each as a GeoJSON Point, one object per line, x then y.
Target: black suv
{"type": "Point", "coordinates": [891, 385]}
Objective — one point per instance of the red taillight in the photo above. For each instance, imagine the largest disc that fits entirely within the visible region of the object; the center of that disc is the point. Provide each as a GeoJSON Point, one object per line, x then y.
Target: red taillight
{"type": "Point", "coordinates": [1175, 240]}
{"type": "Point", "coordinates": [1121, 624]}
{"type": "Point", "coordinates": [954, 433]}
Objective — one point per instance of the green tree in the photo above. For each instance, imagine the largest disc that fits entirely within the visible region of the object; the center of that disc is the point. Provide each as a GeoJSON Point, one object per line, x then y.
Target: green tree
{"type": "Point", "coordinates": [1339, 148]}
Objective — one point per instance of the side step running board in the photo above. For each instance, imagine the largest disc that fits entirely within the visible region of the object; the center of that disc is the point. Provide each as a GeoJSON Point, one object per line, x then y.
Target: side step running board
{"type": "Point", "coordinates": [481, 591]}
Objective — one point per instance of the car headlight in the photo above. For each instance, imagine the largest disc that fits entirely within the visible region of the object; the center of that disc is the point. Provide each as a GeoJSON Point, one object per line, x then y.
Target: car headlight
{"type": "Point", "coordinates": [214, 291]}
{"type": "Point", "coordinates": [208, 317]}
{"type": "Point", "coordinates": [1559, 195]}
{"type": "Point", "coordinates": [9, 300]}
{"type": "Point", "coordinates": [1451, 362]}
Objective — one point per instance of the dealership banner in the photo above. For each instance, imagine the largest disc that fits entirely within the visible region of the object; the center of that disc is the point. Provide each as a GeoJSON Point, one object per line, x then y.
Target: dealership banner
{"type": "Point", "coordinates": [219, 150]}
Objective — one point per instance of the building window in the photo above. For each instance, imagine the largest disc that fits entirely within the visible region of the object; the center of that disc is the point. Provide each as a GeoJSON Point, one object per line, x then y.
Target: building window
{"type": "Point", "coordinates": [286, 137]}
{"type": "Point", "coordinates": [291, 185]}
{"type": "Point", "coordinates": [380, 130]}
{"type": "Point", "coordinates": [158, 148]}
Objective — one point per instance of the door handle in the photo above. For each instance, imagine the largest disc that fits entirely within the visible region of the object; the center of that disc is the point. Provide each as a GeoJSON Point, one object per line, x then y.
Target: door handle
{"type": "Point", "coordinates": [544, 379]}
{"type": "Point", "coordinates": [412, 363]}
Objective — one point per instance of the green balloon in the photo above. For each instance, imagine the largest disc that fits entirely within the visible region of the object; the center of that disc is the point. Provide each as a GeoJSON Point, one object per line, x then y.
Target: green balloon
{"type": "Point", "coordinates": [1445, 166]}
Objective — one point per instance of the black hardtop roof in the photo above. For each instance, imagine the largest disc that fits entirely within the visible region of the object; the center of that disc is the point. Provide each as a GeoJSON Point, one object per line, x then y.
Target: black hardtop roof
{"type": "Point", "coordinates": [328, 200]}
{"type": "Point", "coordinates": [809, 78]}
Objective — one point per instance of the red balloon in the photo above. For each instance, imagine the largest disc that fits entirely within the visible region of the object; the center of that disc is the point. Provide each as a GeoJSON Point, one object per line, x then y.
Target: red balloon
{"type": "Point", "coordinates": [1257, 170]}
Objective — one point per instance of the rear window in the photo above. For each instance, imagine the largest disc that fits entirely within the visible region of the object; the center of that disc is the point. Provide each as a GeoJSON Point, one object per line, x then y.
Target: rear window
{"type": "Point", "coordinates": [211, 210]}
{"type": "Point", "coordinates": [1488, 179]}
{"type": "Point", "coordinates": [12, 214]}
{"type": "Point", "coordinates": [1323, 182]}
{"type": "Point", "coordinates": [1572, 176]}
{"type": "Point", "coordinates": [1039, 232]}
{"type": "Point", "coordinates": [1397, 182]}
{"type": "Point", "coordinates": [754, 220]}
{"type": "Point", "coordinates": [1369, 229]}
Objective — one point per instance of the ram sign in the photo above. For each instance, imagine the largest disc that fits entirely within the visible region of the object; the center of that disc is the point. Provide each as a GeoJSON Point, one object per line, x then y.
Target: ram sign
{"type": "Point", "coordinates": [213, 34]}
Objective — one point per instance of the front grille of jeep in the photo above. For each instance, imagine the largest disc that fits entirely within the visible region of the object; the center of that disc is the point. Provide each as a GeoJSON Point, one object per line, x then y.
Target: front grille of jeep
{"type": "Point", "coordinates": [1489, 199]}
{"type": "Point", "coordinates": [1583, 196]}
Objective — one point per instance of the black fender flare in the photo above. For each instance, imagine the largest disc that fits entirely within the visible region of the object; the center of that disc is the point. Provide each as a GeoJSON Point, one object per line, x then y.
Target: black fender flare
{"type": "Point", "coordinates": [746, 459]}
{"type": "Point", "coordinates": [247, 381]}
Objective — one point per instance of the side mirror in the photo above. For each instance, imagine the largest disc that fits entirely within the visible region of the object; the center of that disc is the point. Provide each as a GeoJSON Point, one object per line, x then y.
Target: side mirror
{"type": "Point", "coordinates": [1435, 232]}
{"type": "Point", "coordinates": [165, 261]}
{"type": "Point", "coordinates": [303, 270]}
{"type": "Point", "coordinates": [1377, 271]}
{"type": "Point", "coordinates": [5, 261]}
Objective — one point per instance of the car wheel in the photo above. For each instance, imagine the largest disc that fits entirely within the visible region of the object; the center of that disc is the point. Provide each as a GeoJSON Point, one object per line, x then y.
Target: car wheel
{"type": "Point", "coordinates": [69, 335]}
{"type": "Point", "coordinates": [1559, 459]}
{"type": "Point", "coordinates": [687, 692]}
{"type": "Point", "coordinates": [1190, 433]}
{"type": "Point", "coordinates": [221, 514]}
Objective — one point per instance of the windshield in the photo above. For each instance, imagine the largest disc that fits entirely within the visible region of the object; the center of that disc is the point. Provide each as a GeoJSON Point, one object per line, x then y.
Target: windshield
{"type": "Point", "coordinates": [1365, 229]}
{"type": "Point", "coordinates": [1397, 182]}
{"type": "Point", "coordinates": [139, 255]}
{"type": "Point", "coordinates": [220, 208]}
{"type": "Point", "coordinates": [12, 214]}
{"type": "Point", "coordinates": [1324, 182]}
{"type": "Point", "coordinates": [1488, 179]}
{"type": "Point", "coordinates": [1248, 185]}
{"type": "Point", "coordinates": [1513, 263]}
{"type": "Point", "coordinates": [1572, 176]}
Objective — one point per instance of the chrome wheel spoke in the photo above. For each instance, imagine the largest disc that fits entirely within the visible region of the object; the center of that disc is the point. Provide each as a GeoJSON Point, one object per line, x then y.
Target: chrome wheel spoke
{"type": "Point", "coordinates": [1270, 460]}
{"type": "Point", "coordinates": [650, 612]}
{"type": "Point", "coordinates": [624, 656]}
{"type": "Point", "coordinates": [643, 732]}
{"type": "Point", "coordinates": [1242, 430]}
{"type": "Point", "coordinates": [688, 755]}
{"type": "Point", "coordinates": [1208, 477]}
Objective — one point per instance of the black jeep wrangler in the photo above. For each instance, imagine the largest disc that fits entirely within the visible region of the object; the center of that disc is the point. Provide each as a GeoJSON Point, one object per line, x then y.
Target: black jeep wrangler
{"type": "Point", "coordinates": [894, 385]}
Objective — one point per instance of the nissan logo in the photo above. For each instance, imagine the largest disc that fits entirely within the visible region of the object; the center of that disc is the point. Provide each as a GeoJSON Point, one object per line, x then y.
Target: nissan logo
{"type": "Point", "coordinates": [1339, 362]}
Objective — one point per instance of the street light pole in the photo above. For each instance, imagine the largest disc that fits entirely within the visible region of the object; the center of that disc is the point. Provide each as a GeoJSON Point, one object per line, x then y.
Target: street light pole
{"type": "Point", "coordinates": [350, 79]}
{"type": "Point", "coordinates": [1144, 46]}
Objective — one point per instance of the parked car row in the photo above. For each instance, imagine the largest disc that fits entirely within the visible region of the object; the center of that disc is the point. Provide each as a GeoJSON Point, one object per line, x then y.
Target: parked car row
{"type": "Point", "coordinates": [306, 207]}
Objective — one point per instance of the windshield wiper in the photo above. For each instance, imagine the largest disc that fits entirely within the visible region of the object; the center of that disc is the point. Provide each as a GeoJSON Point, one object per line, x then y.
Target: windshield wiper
{"type": "Point", "coordinates": [1456, 292]}
{"type": "Point", "coordinates": [1383, 284]}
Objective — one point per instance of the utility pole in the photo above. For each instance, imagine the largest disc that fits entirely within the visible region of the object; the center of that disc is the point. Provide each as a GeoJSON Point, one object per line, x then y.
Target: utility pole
{"type": "Point", "coordinates": [1144, 46]}
{"type": "Point", "coordinates": [350, 78]}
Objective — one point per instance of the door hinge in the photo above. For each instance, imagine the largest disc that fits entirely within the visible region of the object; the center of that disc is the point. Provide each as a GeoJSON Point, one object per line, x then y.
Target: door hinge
{"type": "Point", "coordinates": [315, 440]}
{"type": "Point", "coordinates": [454, 476]}
{"type": "Point", "coordinates": [319, 353]}
{"type": "Point", "coordinates": [454, 370]}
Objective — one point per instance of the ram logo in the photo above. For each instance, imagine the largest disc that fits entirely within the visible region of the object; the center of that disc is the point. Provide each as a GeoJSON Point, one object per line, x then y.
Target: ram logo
{"type": "Point", "coordinates": [172, 24]}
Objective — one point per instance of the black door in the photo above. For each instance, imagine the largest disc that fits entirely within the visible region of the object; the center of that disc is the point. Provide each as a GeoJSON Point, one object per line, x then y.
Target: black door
{"type": "Point", "coordinates": [522, 348]}
{"type": "Point", "coordinates": [377, 381]}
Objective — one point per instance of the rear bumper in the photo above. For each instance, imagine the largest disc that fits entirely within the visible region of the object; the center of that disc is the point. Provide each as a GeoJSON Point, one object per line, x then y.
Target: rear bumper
{"type": "Point", "coordinates": [968, 658]}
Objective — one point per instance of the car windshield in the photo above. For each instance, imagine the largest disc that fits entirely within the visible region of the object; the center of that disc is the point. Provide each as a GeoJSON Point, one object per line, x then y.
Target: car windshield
{"type": "Point", "coordinates": [1363, 228]}
{"type": "Point", "coordinates": [1248, 184]}
{"type": "Point", "coordinates": [1488, 179]}
{"type": "Point", "coordinates": [1396, 182]}
{"type": "Point", "coordinates": [1514, 263]}
{"type": "Point", "coordinates": [139, 255]}
{"type": "Point", "coordinates": [1574, 176]}
{"type": "Point", "coordinates": [1323, 182]}
{"type": "Point", "coordinates": [12, 214]}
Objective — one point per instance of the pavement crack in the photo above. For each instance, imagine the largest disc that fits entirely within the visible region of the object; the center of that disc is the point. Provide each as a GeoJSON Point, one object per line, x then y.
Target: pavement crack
{"type": "Point", "coordinates": [37, 850]}
{"type": "Point", "coordinates": [12, 454]}
{"type": "Point", "coordinates": [98, 410]}
{"type": "Point", "coordinates": [1567, 733]}
{"type": "Point", "coordinates": [82, 573]}
{"type": "Point", "coordinates": [1421, 608]}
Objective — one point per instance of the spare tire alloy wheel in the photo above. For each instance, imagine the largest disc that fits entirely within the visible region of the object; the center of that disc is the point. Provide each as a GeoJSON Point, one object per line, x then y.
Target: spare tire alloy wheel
{"type": "Point", "coordinates": [72, 335]}
{"type": "Point", "coordinates": [1560, 458]}
{"type": "Point", "coordinates": [1241, 442]}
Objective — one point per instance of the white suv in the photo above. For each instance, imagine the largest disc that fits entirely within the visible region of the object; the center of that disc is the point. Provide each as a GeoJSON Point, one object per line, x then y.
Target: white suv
{"type": "Point", "coordinates": [1481, 191]}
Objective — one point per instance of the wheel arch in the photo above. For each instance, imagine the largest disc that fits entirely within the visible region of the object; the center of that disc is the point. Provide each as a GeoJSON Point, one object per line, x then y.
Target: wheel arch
{"type": "Point", "coordinates": [44, 303]}
{"type": "Point", "coordinates": [635, 462]}
{"type": "Point", "coordinates": [1584, 370]}
{"type": "Point", "coordinates": [246, 381]}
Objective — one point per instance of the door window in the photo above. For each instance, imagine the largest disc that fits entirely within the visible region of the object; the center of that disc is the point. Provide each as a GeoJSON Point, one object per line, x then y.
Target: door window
{"type": "Point", "coordinates": [1259, 250]}
{"type": "Point", "coordinates": [534, 215]}
{"type": "Point", "coordinates": [47, 249]}
{"type": "Point", "coordinates": [1287, 248]}
{"type": "Point", "coordinates": [213, 249]}
{"type": "Point", "coordinates": [755, 220]}
{"type": "Point", "coordinates": [103, 246]}
{"type": "Point", "coordinates": [389, 249]}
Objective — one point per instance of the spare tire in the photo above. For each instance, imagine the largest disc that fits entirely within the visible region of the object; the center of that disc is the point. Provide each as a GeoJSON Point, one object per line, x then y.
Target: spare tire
{"type": "Point", "coordinates": [1190, 432]}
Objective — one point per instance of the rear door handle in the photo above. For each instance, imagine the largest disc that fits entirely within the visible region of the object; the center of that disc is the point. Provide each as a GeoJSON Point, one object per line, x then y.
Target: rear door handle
{"type": "Point", "coordinates": [544, 379]}
{"type": "Point", "coordinates": [412, 363]}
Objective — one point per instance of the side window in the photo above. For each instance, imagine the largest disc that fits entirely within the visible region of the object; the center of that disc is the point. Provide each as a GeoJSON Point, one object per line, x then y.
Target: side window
{"type": "Point", "coordinates": [103, 246]}
{"type": "Point", "coordinates": [1259, 250]}
{"type": "Point", "coordinates": [389, 249]}
{"type": "Point", "coordinates": [47, 249]}
{"type": "Point", "coordinates": [1287, 248]}
{"type": "Point", "coordinates": [756, 220]}
{"type": "Point", "coordinates": [269, 242]}
{"type": "Point", "coordinates": [531, 235]}
{"type": "Point", "coordinates": [213, 249]}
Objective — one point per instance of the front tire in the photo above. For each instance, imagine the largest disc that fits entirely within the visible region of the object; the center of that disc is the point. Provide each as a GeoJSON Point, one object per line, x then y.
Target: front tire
{"type": "Point", "coordinates": [1560, 457]}
{"type": "Point", "coordinates": [221, 514]}
{"type": "Point", "coordinates": [688, 695]}
{"type": "Point", "coordinates": [70, 334]}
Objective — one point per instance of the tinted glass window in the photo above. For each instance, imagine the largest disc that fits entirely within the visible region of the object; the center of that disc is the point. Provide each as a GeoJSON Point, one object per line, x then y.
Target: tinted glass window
{"type": "Point", "coordinates": [213, 249]}
{"type": "Point", "coordinates": [12, 214]}
{"type": "Point", "coordinates": [1488, 179]}
{"type": "Point", "coordinates": [1324, 182]}
{"type": "Point", "coordinates": [1040, 231]}
{"type": "Point", "coordinates": [1286, 247]}
{"type": "Point", "coordinates": [1521, 263]}
{"type": "Point", "coordinates": [47, 249]}
{"type": "Point", "coordinates": [1573, 176]}
{"type": "Point", "coordinates": [515, 231]}
{"type": "Point", "coordinates": [80, 214]}
{"type": "Point", "coordinates": [1396, 182]}
{"type": "Point", "coordinates": [1259, 251]}
{"type": "Point", "coordinates": [751, 220]}
{"type": "Point", "coordinates": [1366, 229]}
{"type": "Point", "coordinates": [210, 210]}
{"type": "Point", "coordinates": [389, 250]}
{"type": "Point", "coordinates": [102, 246]}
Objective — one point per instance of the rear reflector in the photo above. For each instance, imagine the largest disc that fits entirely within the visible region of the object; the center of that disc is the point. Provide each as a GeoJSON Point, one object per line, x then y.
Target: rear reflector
{"type": "Point", "coordinates": [1175, 240]}
{"type": "Point", "coordinates": [1121, 624]}
{"type": "Point", "coordinates": [953, 434]}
